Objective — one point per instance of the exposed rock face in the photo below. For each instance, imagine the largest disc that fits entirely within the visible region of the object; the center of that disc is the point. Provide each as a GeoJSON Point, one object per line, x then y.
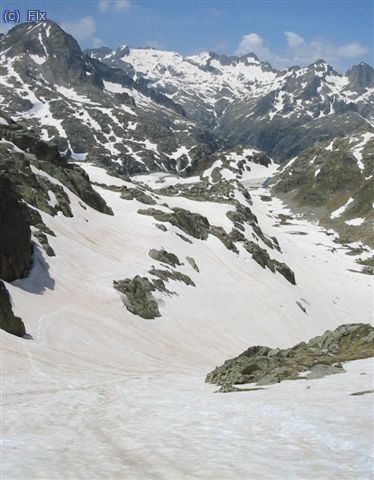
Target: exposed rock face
{"type": "Point", "coordinates": [139, 299]}
{"type": "Point", "coordinates": [8, 321]}
{"type": "Point", "coordinates": [164, 257]}
{"type": "Point", "coordinates": [15, 234]}
{"type": "Point", "coordinates": [137, 194]}
{"type": "Point", "coordinates": [320, 356]}
{"type": "Point", "coordinates": [193, 263]}
{"type": "Point", "coordinates": [138, 291]}
{"type": "Point", "coordinates": [198, 227]}
{"type": "Point", "coordinates": [119, 115]}
{"type": "Point", "coordinates": [193, 224]}
{"type": "Point", "coordinates": [279, 111]}
{"type": "Point", "coordinates": [334, 183]}
{"type": "Point", "coordinates": [46, 157]}
{"type": "Point", "coordinates": [160, 111]}
{"type": "Point", "coordinates": [261, 256]}
{"type": "Point", "coordinates": [166, 275]}
{"type": "Point", "coordinates": [361, 76]}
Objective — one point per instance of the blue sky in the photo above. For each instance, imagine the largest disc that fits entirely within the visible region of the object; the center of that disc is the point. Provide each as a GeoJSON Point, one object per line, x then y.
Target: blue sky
{"type": "Point", "coordinates": [281, 32]}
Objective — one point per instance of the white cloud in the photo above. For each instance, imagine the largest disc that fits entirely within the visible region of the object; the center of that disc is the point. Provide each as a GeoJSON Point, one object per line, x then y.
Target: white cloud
{"type": "Point", "coordinates": [153, 44]}
{"type": "Point", "coordinates": [299, 52]}
{"type": "Point", "coordinates": [114, 6]}
{"type": "Point", "coordinates": [122, 6]}
{"type": "Point", "coordinates": [249, 42]}
{"type": "Point", "coordinates": [352, 50]}
{"type": "Point", "coordinates": [84, 31]}
{"type": "Point", "coordinates": [104, 5]}
{"type": "Point", "coordinates": [97, 42]}
{"type": "Point", "coordinates": [252, 42]}
{"type": "Point", "coordinates": [293, 39]}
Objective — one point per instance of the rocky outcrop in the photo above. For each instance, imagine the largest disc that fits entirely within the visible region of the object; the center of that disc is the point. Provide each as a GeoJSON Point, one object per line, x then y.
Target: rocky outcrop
{"type": "Point", "coordinates": [15, 233]}
{"type": "Point", "coordinates": [193, 224]}
{"type": "Point", "coordinates": [34, 188]}
{"type": "Point", "coordinates": [76, 179]}
{"type": "Point", "coordinates": [332, 182]}
{"type": "Point", "coordinates": [261, 256]}
{"type": "Point", "coordinates": [193, 263]}
{"type": "Point", "coordinates": [167, 275]}
{"type": "Point", "coordinates": [322, 355]}
{"type": "Point", "coordinates": [138, 296]}
{"type": "Point", "coordinates": [139, 291]}
{"type": "Point", "coordinates": [198, 227]}
{"type": "Point", "coordinates": [8, 321]}
{"type": "Point", "coordinates": [128, 193]}
{"type": "Point", "coordinates": [164, 257]}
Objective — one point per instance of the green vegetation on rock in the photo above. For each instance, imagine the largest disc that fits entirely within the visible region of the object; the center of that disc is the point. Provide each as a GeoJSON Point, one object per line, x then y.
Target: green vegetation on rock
{"type": "Point", "coordinates": [139, 299]}
{"type": "Point", "coordinates": [320, 356]}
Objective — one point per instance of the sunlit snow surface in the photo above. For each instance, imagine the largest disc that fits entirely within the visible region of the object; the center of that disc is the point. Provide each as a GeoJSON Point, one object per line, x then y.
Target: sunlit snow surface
{"type": "Point", "coordinates": [101, 393]}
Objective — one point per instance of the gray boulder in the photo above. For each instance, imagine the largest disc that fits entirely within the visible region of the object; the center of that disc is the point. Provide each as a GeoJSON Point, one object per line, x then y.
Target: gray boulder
{"type": "Point", "coordinates": [8, 321]}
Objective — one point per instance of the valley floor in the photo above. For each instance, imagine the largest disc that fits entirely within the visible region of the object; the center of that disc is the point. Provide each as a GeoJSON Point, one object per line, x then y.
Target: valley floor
{"type": "Point", "coordinates": [100, 393]}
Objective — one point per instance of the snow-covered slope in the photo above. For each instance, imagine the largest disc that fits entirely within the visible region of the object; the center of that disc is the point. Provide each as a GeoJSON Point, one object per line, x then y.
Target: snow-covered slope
{"type": "Point", "coordinates": [204, 84]}
{"type": "Point", "coordinates": [100, 391]}
{"type": "Point", "coordinates": [141, 287]}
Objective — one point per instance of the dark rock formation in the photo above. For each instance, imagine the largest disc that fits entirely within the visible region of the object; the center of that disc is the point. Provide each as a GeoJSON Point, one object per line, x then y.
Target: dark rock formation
{"type": "Point", "coordinates": [137, 194]}
{"type": "Point", "coordinates": [320, 356]}
{"type": "Point", "coordinates": [164, 257]}
{"type": "Point", "coordinates": [8, 321]}
{"type": "Point", "coordinates": [15, 233]}
{"type": "Point", "coordinates": [166, 275]}
{"type": "Point", "coordinates": [139, 299]}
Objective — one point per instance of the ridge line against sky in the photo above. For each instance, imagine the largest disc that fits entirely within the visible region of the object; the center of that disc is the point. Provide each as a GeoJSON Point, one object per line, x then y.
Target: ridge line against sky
{"type": "Point", "coordinates": [281, 32]}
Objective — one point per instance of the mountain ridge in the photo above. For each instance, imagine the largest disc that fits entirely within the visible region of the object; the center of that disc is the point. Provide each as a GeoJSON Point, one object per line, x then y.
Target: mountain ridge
{"type": "Point", "coordinates": [200, 104]}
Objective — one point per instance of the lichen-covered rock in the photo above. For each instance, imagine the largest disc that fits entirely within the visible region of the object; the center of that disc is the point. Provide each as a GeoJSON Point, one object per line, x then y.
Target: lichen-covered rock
{"type": "Point", "coordinates": [193, 224]}
{"type": "Point", "coordinates": [164, 257]}
{"type": "Point", "coordinates": [8, 321]}
{"type": "Point", "coordinates": [167, 275]}
{"type": "Point", "coordinates": [320, 356]}
{"type": "Point", "coordinates": [138, 296]}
